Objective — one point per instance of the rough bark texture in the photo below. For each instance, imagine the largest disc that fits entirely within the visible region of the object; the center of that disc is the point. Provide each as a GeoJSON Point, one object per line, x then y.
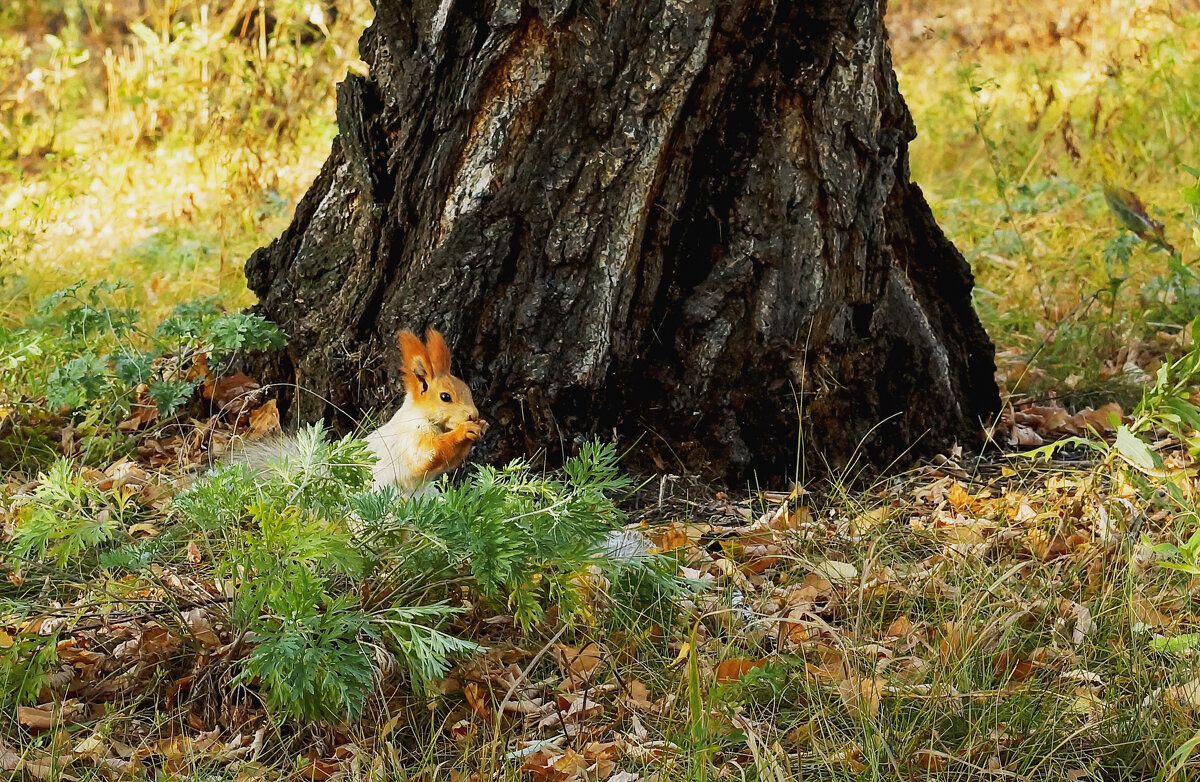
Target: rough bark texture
{"type": "Point", "coordinates": [685, 220]}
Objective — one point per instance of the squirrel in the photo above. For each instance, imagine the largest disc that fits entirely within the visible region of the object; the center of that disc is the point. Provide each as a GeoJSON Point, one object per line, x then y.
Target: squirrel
{"type": "Point", "coordinates": [429, 435]}
{"type": "Point", "coordinates": [434, 429]}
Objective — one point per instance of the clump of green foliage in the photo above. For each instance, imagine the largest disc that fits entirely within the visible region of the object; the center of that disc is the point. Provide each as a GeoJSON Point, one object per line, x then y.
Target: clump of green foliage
{"type": "Point", "coordinates": [303, 538]}
{"type": "Point", "coordinates": [332, 583]}
{"type": "Point", "coordinates": [86, 352]}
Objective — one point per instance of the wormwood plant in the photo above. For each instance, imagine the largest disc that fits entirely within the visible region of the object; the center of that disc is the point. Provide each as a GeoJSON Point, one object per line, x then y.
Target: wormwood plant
{"type": "Point", "coordinates": [103, 354]}
{"type": "Point", "coordinates": [523, 540]}
{"type": "Point", "coordinates": [85, 352]}
{"type": "Point", "coordinates": [334, 580]}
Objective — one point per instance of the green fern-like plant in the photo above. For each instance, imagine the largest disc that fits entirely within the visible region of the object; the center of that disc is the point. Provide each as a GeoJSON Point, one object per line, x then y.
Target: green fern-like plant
{"type": "Point", "coordinates": [525, 540]}
{"type": "Point", "coordinates": [300, 534]}
{"type": "Point", "coordinates": [65, 519]}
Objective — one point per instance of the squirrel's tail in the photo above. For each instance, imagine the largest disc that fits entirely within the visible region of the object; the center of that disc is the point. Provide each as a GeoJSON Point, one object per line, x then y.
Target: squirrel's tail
{"type": "Point", "coordinates": [306, 451]}
{"type": "Point", "coordinates": [269, 452]}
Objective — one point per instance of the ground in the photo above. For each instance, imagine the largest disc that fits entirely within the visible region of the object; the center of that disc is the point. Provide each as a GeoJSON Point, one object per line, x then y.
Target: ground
{"type": "Point", "coordinates": [1028, 613]}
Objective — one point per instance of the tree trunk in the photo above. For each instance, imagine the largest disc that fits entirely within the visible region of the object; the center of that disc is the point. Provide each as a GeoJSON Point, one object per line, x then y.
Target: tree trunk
{"type": "Point", "coordinates": [685, 221]}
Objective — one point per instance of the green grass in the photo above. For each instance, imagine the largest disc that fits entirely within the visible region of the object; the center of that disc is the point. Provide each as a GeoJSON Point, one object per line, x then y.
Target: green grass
{"type": "Point", "coordinates": [1013, 150]}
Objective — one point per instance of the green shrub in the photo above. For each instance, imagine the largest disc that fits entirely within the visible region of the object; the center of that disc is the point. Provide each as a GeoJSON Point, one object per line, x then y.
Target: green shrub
{"type": "Point", "coordinates": [302, 537]}
{"type": "Point", "coordinates": [85, 351]}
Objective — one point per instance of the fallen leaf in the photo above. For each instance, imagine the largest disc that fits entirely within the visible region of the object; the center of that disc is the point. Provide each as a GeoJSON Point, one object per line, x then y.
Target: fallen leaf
{"type": "Point", "coordinates": [862, 694]}
{"type": "Point", "coordinates": [264, 420]}
{"type": "Point", "coordinates": [579, 664]}
{"type": "Point", "coordinates": [1145, 615]}
{"type": "Point", "coordinates": [49, 715]}
{"type": "Point", "coordinates": [865, 522]}
{"type": "Point", "coordinates": [235, 393]}
{"type": "Point", "coordinates": [837, 572]}
{"type": "Point", "coordinates": [477, 699]}
{"type": "Point", "coordinates": [201, 628]}
{"type": "Point", "coordinates": [624, 776]}
{"type": "Point", "coordinates": [732, 670]}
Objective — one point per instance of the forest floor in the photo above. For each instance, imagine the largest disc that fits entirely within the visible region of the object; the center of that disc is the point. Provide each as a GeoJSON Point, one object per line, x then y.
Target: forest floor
{"type": "Point", "coordinates": [1029, 615]}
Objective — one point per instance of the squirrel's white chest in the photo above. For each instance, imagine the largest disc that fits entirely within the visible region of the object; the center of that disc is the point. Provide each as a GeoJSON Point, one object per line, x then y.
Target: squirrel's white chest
{"type": "Point", "coordinates": [400, 448]}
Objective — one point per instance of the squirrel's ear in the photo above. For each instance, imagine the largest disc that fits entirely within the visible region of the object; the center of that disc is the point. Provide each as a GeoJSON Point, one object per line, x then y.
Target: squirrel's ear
{"type": "Point", "coordinates": [439, 354]}
{"type": "Point", "coordinates": [417, 366]}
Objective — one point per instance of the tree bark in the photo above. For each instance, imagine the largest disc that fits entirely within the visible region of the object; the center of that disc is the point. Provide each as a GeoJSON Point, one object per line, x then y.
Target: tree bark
{"type": "Point", "coordinates": [685, 221]}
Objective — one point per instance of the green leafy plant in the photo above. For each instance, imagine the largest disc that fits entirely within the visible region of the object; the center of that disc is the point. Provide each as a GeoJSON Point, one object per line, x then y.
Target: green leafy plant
{"type": "Point", "coordinates": [299, 533]}
{"type": "Point", "coordinates": [68, 519]}
{"type": "Point", "coordinates": [525, 541]}
{"type": "Point", "coordinates": [113, 356]}
{"type": "Point", "coordinates": [26, 662]}
{"type": "Point", "coordinates": [86, 352]}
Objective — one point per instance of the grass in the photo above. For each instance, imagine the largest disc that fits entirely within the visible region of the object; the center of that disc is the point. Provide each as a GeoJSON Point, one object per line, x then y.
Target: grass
{"type": "Point", "coordinates": [165, 154]}
{"type": "Point", "coordinates": [1018, 136]}
{"type": "Point", "coordinates": [965, 621]}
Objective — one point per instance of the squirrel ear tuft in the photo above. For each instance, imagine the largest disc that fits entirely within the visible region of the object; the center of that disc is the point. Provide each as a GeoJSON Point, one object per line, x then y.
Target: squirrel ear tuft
{"type": "Point", "coordinates": [417, 366]}
{"type": "Point", "coordinates": [439, 354]}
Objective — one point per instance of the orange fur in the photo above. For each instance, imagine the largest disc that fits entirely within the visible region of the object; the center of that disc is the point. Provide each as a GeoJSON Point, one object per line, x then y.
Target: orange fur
{"type": "Point", "coordinates": [439, 354]}
{"type": "Point", "coordinates": [449, 450]}
{"type": "Point", "coordinates": [416, 365]}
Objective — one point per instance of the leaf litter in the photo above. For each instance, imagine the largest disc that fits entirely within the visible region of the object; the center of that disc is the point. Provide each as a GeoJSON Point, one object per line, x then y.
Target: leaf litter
{"type": "Point", "coordinates": [957, 585]}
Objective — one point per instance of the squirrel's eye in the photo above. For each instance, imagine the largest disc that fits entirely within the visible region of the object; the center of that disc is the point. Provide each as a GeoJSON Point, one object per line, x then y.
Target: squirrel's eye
{"type": "Point", "coordinates": [446, 397]}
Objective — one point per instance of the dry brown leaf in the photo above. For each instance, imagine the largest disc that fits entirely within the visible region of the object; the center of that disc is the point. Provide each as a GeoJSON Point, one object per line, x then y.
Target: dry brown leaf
{"type": "Point", "coordinates": [47, 767]}
{"type": "Point", "coordinates": [1144, 614]}
{"type": "Point", "coordinates": [836, 572]}
{"type": "Point", "coordinates": [201, 628]}
{"type": "Point", "coordinates": [1096, 419]}
{"type": "Point", "coordinates": [555, 765]}
{"type": "Point", "coordinates": [140, 416]}
{"type": "Point", "coordinates": [235, 393]}
{"type": "Point", "coordinates": [579, 664]}
{"type": "Point", "coordinates": [49, 715]}
{"type": "Point", "coordinates": [960, 499]}
{"type": "Point", "coordinates": [264, 420]}
{"type": "Point", "coordinates": [1046, 546]}
{"type": "Point", "coordinates": [71, 652]}
{"type": "Point", "coordinates": [673, 536]}
{"type": "Point", "coordinates": [900, 627]}
{"type": "Point", "coordinates": [477, 698]}
{"type": "Point", "coordinates": [865, 522]}
{"type": "Point", "coordinates": [848, 755]}
{"type": "Point", "coordinates": [637, 695]}
{"type": "Point", "coordinates": [732, 670]}
{"type": "Point", "coordinates": [862, 694]}
{"type": "Point", "coordinates": [1024, 437]}
{"type": "Point", "coordinates": [1185, 696]}
{"type": "Point", "coordinates": [930, 760]}
{"type": "Point", "coordinates": [320, 769]}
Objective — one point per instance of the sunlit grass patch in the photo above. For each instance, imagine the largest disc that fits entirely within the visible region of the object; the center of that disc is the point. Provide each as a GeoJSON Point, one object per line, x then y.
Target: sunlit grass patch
{"type": "Point", "coordinates": [1017, 135]}
{"type": "Point", "coordinates": [160, 147]}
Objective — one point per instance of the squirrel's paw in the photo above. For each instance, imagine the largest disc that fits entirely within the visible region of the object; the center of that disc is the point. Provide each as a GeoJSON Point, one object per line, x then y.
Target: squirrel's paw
{"type": "Point", "coordinates": [473, 430]}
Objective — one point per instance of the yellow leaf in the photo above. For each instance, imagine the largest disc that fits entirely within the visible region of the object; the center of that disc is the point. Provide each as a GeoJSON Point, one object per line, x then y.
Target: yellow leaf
{"type": "Point", "coordinates": [865, 522]}
{"type": "Point", "coordinates": [837, 572]}
{"type": "Point", "coordinates": [144, 528]}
